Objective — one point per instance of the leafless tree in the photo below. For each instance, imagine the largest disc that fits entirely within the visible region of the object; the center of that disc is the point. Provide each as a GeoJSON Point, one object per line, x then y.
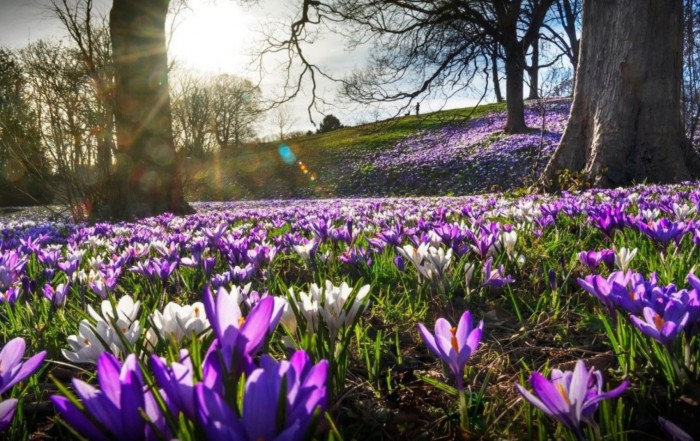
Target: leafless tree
{"type": "Point", "coordinates": [192, 114]}
{"type": "Point", "coordinates": [236, 107]}
{"type": "Point", "coordinates": [284, 120]}
{"type": "Point", "coordinates": [419, 47]}
{"type": "Point", "coordinates": [23, 168]}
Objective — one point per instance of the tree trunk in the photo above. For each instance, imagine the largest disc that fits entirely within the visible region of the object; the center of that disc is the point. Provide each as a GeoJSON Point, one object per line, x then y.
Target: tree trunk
{"type": "Point", "coordinates": [494, 74]}
{"type": "Point", "coordinates": [533, 71]}
{"type": "Point", "coordinates": [625, 123]}
{"type": "Point", "coordinates": [515, 65]}
{"type": "Point", "coordinates": [148, 179]}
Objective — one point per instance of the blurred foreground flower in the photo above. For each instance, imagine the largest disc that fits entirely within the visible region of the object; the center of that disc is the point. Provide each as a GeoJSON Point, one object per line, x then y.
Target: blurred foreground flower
{"type": "Point", "coordinates": [676, 433]}
{"type": "Point", "coordinates": [282, 401]}
{"type": "Point", "coordinates": [570, 397]}
{"type": "Point", "coordinates": [115, 410]}
{"type": "Point", "coordinates": [12, 371]}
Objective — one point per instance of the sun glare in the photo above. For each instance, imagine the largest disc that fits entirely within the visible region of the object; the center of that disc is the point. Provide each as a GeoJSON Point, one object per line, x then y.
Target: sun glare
{"type": "Point", "coordinates": [213, 37]}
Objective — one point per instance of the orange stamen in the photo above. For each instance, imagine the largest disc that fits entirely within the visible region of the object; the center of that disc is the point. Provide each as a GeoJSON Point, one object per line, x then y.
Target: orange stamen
{"type": "Point", "coordinates": [241, 320]}
{"type": "Point", "coordinates": [564, 394]}
{"type": "Point", "coordinates": [659, 322]}
{"type": "Point", "coordinates": [453, 331]}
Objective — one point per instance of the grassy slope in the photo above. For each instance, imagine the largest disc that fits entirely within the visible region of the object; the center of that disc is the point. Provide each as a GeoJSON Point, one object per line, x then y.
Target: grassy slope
{"type": "Point", "coordinates": [257, 171]}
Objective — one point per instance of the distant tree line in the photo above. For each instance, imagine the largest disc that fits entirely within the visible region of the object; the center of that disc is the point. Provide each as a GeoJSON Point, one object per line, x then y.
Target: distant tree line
{"type": "Point", "coordinates": [57, 116]}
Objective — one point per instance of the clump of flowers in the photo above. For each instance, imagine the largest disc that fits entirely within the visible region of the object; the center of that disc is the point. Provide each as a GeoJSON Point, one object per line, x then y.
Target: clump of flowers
{"type": "Point", "coordinates": [229, 393]}
{"type": "Point", "coordinates": [329, 314]}
{"type": "Point", "coordinates": [113, 323]}
{"type": "Point", "coordinates": [176, 323]}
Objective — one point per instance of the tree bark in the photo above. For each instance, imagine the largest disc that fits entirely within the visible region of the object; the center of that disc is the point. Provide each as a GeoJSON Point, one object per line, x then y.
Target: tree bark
{"type": "Point", "coordinates": [625, 124]}
{"type": "Point", "coordinates": [148, 178]}
{"type": "Point", "coordinates": [515, 107]}
{"type": "Point", "coordinates": [494, 74]}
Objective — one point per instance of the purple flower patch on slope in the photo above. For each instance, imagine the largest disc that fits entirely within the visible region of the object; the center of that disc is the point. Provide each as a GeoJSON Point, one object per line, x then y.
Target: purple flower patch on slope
{"type": "Point", "coordinates": [466, 157]}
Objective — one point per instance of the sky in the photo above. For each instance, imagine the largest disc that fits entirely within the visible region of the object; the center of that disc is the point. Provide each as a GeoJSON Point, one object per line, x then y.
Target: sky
{"type": "Point", "coordinates": [217, 36]}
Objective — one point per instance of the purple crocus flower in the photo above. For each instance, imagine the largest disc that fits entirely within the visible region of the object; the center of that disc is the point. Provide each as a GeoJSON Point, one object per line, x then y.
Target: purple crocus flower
{"type": "Point", "coordinates": [676, 433]}
{"type": "Point", "coordinates": [12, 368]}
{"type": "Point", "coordinates": [453, 345]}
{"type": "Point", "coordinates": [398, 262]}
{"type": "Point", "coordinates": [495, 278]}
{"type": "Point", "coordinates": [601, 287]}
{"type": "Point", "coordinates": [279, 403]}
{"type": "Point", "coordinates": [569, 397]}
{"type": "Point", "coordinates": [12, 371]}
{"type": "Point", "coordinates": [56, 295]}
{"type": "Point", "coordinates": [69, 266]}
{"type": "Point", "coordinates": [177, 382]}
{"type": "Point", "coordinates": [239, 338]}
{"type": "Point", "coordinates": [163, 268]}
{"type": "Point", "coordinates": [7, 412]}
{"type": "Point", "coordinates": [593, 259]}
{"type": "Point", "coordinates": [114, 410]}
{"type": "Point", "coordinates": [664, 327]}
{"type": "Point", "coordinates": [663, 231]}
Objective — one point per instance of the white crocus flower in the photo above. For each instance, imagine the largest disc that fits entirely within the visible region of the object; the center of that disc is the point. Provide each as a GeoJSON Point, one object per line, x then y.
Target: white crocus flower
{"type": "Point", "coordinates": [95, 263]}
{"type": "Point", "coordinates": [124, 315]}
{"type": "Point", "coordinates": [126, 310]}
{"type": "Point", "coordinates": [651, 215]}
{"type": "Point", "coordinates": [288, 320]}
{"type": "Point", "coordinates": [683, 211]}
{"type": "Point", "coordinates": [178, 322]}
{"type": "Point", "coordinates": [86, 347]}
{"type": "Point", "coordinates": [623, 258]}
{"type": "Point", "coordinates": [160, 247]}
{"type": "Point", "coordinates": [192, 319]}
{"type": "Point", "coordinates": [509, 241]}
{"type": "Point", "coordinates": [305, 250]}
{"type": "Point", "coordinates": [324, 257]}
{"type": "Point", "coordinates": [415, 255]}
{"type": "Point", "coordinates": [439, 258]}
{"type": "Point", "coordinates": [468, 273]}
{"type": "Point", "coordinates": [308, 305]}
{"type": "Point", "coordinates": [435, 264]}
{"type": "Point", "coordinates": [334, 311]}
{"type": "Point", "coordinates": [434, 239]}
{"type": "Point", "coordinates": [80, 277]}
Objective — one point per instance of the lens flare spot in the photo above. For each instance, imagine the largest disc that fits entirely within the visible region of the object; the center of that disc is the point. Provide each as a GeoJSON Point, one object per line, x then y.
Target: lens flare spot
{"type": "Point", "coordinates": [287, 155]}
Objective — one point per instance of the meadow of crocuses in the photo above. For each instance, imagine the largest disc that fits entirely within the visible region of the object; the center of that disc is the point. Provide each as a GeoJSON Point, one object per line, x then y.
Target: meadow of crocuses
{"type": "Point", "coordinates": [572, 316]}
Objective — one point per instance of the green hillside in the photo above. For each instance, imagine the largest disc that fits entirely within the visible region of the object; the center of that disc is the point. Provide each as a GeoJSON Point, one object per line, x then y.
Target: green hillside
{"type": "Point", "coordinates": [319, 165]}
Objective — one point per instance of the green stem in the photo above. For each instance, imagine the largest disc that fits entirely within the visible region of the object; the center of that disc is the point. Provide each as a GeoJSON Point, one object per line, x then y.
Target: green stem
{"type": "Point", "coordinates": [463, 410]}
